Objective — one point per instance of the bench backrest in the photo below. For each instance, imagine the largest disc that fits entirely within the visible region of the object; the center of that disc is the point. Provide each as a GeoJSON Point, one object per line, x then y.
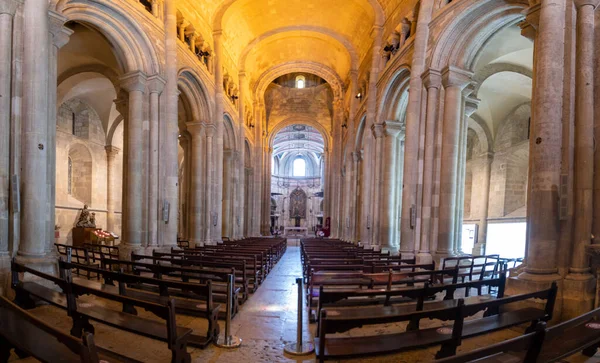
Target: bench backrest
{"type": "Point", "coordinates": [84, 348]}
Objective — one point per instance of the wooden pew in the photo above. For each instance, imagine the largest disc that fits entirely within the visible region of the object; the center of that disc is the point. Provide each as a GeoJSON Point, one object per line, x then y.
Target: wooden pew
{"type": "Point", "coordinates": [176, 337]}
{"type": "Point", "coordinates": [165, 290]}
{"type": "Point", "coordinates": [523, 349]}
{"type": "Point", "coordinates": [80, 255]}
{"type": "Point", "coordinates": [218, 278]}
{"type": "Point", "coordinates": [338, 320]}
{"type": "Point", "coordinates": [30, 336]}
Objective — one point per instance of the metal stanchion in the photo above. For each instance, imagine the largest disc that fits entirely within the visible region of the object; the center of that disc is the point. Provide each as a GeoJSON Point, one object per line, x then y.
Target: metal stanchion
{"type": "Point", "coordinates": [228, 340]}
{"type": "Point", "coordinates": [299, 348]}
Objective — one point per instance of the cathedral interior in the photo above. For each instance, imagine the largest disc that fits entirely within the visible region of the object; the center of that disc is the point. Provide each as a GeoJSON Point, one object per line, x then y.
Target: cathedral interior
{"type": "Point", "coordinates": [284, 172]}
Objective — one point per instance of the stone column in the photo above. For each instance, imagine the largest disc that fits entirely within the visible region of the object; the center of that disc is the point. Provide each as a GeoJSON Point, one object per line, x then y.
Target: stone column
{"type": "Point", "coordinates": [355, 223]}
{"type": "Point", "coordinates": [135, 84]}
{"type": "Point", "coordinates": [240, 167]}
{"type": "Point", "coordinates": [546, 134]}
{"type": "Point", "coordinates": [217, 158]}
{"type": "Point", "coordinates": [387, 190]}
{"type": "Point", "coordinates": [197, 197]}
{"type": "Point", "coordinates": [433, 82]}
{"type": "Point", "coordinates": [7, 12]}
{"type": "Point", "coordinates": [155, 87]}
{"type": "Point", "coordinates": [111, 190]}
{"type": "Point", "coordinates": [376, 192]}
{"type": "Point", "coordinates": [210, 131]}
{"type": "Point", "coordinates": [169, 166]}
{"type": "Point", "coordinates": [257, 170]}
{"type": "Point", "coordinates": [227, 194]}
{"type": "Point", "coordinates": [579, 290]}
{"type": "Point", "coordinates": [34, 193]}
{"type": "Point", "coordinates": [59, 36]}
{"type": "Point", "coordinates": [413, 120]}
{"type": "Point", "coordinates": [454, 81]}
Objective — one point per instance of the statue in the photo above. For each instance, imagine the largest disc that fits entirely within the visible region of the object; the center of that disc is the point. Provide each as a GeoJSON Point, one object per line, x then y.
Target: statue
{"type": "Point", "coordinates": [85, 219]}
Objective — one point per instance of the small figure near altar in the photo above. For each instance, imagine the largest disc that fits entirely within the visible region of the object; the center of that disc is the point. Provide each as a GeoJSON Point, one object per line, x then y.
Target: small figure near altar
{"type": "Point", "coordinates": [86, 219]}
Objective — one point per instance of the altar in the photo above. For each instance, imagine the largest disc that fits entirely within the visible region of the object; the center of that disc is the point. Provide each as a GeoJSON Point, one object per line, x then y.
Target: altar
{"type": "Point", "coordinates": [296, 231]}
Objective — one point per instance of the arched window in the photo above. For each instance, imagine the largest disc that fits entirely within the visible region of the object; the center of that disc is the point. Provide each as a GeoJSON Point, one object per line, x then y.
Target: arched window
{"type": "Point", "coordinates": [299, 167]}
{"type": "Point", "coordinates": [300, 82]}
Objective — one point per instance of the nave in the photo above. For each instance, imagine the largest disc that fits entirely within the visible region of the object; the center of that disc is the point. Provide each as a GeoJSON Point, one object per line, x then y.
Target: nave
{"type": "Point", "coordinates": [338, 285]}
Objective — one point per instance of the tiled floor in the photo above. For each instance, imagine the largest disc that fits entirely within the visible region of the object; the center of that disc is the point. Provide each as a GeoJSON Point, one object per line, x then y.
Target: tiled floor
{"type": "Point", "coordinates": [265, 323]}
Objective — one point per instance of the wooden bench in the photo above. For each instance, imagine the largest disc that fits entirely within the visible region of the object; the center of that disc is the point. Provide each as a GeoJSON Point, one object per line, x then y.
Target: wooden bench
{"type": "Point", "coordinates": [199, 299]}
{"type": "Point", "coordinates": [176, 337]}
{"type": "Point", "coordinates": [523, 349]}
{"type": "Point", "coordinates": [29, 336]}
{"type": "Point", "coordinates": [80, 255]}
{"type": "Point", "coordinates": [338, 320]}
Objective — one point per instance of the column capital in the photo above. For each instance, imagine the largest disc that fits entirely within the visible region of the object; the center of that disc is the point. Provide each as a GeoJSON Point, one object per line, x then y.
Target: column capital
{"type": "Point", "coordinates": [56, 26]}
{"type": "Point", "coordinates": [456, 77]}
{"type": "Point", "coordinates": [580, 3]}
{"type": "Point", "coordinates": [121, 104]}
{"type": "Point", "coordinates": [111, 151]}
{"type": "Point", "coordinates": [393, 128]}
{"type": "Point", "coordinates": [531, 24]}
{"type": "Point", "coordinates": [194, 128]}
{"type": "Point", "coordinates": [432, 78]}
{"type": "Point", "coordinates": [378, 130]}
{"type": "Point", "coordinates": [9, 6]}
{"type": "Point", "coordinates": [133, 81]}
{"type": "Point", "coordinates": [156, 84]}
{"type": "Point", "coordinates": [471, 105]}
{"type": "Point", "coordinates": [210, 130]}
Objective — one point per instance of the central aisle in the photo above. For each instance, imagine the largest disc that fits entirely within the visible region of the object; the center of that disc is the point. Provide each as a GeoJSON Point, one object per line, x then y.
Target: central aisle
{"type": "Point", "coordinates": [267, 321]}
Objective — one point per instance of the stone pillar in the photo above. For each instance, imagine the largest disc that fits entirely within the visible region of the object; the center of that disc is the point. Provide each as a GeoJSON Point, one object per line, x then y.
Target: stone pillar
{"type": "Point", "coordinates": [210, 224]}
{"type": "Point", "coordinates": [546, 134]}
{"type": "Point", "coordinates": [111, 190]}
{"type": "Point", "coordinates": [387, 216]}
{"type": "Point", "coordinates": [198, 194]}
{"type": "Point", "coordinates": [227, 194]}
{"type": "Point", "coordinates": [169, 165]}
{"type": "Point", "coordinates": [240, 206]}
{"type": "Point", "coordinates": [135, 84]}
{"type": "Point", "coordinates": [454, 81]}
{"type": "Point", "coordinates": [217, 157]}
{"type": "Point", "coordinates": [413, 120]}
{"type": "Point", "coordinates": [486, 164]}
{"type": "Point", "coordinates": [355, 223]}
{"type": "Point", "coordinates": [433, 82]}
{"type": "Point", "coordinates": [155, 87]}
{"type": "Point", "coordinates": [376, 192]}
{"type": "Point", "coordinates": [59, 36]}
{"type": "Point", "coordinates": [7, 12]}
{"type": "Point", "coordinates": [257, 170]}
{"type": "Point", "coordinates": [34, 190]}
{"type": "Point", "coordinates": [579, 283]}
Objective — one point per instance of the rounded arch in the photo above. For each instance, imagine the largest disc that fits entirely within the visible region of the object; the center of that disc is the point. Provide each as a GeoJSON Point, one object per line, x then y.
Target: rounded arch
{"type": "Point", "coordinates": [111, 132]}
{"type": "Point", "coordinates": [459, 43]}
{"type": "Point", "coordinates": [299, 121]}
{"type": "Point", "coordinates": [196, 94]}
{"type": "Point", "coordinates": [318, 69]}
{"type": "Point", "coordinates": [482, 132]}
{"type": "Point", "coordinates": [390, 103]}
{"type": "Point", "coordinates": [229, 136]}
{"type": "Point", "coordinates": [494, 68]}
{"type": "Point", "coordinates": [247, 153]}
{"type": "Point", "coordinates": [360, 130]}
{"type": "Point", "coordinates": [217, 21]}
{"type": "Point", "coordinates": [343, 41]}
{"type": "Point", "coordinates": [133, 48]}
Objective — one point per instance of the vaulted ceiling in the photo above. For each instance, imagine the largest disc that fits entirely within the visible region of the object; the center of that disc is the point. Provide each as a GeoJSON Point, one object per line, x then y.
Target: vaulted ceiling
{"type": "Point", "coordinates": [259, 35]}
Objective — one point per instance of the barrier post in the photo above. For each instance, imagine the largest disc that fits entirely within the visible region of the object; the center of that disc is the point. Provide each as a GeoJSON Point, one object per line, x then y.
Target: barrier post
{"type": "Point", "coordinates": [299, 348]}
{"type": "Point", "coordinates": [227, 340]}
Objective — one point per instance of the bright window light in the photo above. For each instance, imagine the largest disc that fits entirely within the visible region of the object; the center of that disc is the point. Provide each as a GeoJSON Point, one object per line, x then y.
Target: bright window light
{"type": "Point", "coordinates": [300, 82]}
{"type": "Point", "coordinates": [506, 239]}
{"type": "Point", "coordinates": [299, 167]}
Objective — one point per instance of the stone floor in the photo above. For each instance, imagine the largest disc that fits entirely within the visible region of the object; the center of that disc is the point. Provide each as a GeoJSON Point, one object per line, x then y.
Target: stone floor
{"type": "Point", "coordinates": [265, 323]}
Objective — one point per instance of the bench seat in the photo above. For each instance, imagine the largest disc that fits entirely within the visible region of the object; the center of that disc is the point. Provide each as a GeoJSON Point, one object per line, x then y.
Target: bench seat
{"type": "Point", "coordinates": [377, 344]}
{"type": "Point", "coordinates": [571, 342]}
{"type": "Point", "coordinates": [132, 323]}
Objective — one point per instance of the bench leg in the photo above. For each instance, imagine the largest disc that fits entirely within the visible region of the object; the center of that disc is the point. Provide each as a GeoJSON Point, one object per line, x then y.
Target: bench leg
{"type": "Point", "coordinates": [179, 353]}
{"type": "Point", "coordinates": [590, 351]}
{"type": "Point", "coordinates": [413, 325]}
{"type": "Point", "coordinates": [448, 350]}
{"type": "Point", "coordinates": [531, 327]}
{"type": "Point", "coordinates": [24, 300]}
{"type": "Point", "coordinates": [81, 324]}
{"type": "Point", "coordinates": [5, 348]}
{"type": "Point", "coordinates": [129, 309]}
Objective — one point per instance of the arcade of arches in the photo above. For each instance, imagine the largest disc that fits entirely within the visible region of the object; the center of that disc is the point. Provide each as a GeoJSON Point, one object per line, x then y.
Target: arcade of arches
{"type": "Point", "coordinates": [429, 128]}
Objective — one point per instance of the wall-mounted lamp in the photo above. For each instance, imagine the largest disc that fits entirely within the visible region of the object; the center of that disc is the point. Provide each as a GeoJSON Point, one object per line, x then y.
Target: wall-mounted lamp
{"type": "Point", "coordinates": [344, 125]}
{"type": "Point", "coordinates": [359, 95]}
{"type": "Point", "coordinates": [251, 126]}
{"type": "Point", "coordinates": [234, 97]}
